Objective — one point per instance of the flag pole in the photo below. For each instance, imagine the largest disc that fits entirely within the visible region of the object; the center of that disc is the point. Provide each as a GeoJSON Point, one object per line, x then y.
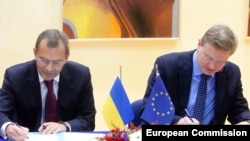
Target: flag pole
{"type": "Point", "coordinates": [121, 73]}
{"type": "Point", "coordinates": [157, 71]}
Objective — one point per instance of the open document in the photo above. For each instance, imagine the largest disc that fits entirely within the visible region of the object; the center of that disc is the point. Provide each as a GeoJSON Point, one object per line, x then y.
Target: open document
{"type": "Point", "coordinates": [65, 136]}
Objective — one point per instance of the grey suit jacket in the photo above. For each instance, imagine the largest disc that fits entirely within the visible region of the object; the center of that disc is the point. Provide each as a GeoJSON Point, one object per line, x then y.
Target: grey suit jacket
{"type": "Point", "coordinates": [20, 96]}
{"type": "Point", "coordinates": [176, 72]}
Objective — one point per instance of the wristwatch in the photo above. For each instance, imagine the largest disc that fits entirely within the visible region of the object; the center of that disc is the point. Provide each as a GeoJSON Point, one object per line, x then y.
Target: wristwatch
{"type": "Point", "coordinates": [63, 123]}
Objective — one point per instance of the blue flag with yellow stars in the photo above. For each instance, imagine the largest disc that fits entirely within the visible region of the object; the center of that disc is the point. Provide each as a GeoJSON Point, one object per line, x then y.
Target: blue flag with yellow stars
{"type": "Point", "coordinates": [159, 109]}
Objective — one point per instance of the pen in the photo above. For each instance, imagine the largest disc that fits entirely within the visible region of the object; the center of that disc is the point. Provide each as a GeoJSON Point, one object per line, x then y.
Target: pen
{"type": "Point", "coordinates": [27, 138]}
{"type": "Point", "coordinates": [188, 115]}
{"type": "Point", "coordinates": [44, 127]}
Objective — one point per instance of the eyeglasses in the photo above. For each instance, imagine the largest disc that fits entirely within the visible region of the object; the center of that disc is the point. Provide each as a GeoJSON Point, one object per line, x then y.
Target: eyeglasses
{"type": "Point", "coordinates": [54, 63]}
{"type": "Point", "coordinates": [210, 59]}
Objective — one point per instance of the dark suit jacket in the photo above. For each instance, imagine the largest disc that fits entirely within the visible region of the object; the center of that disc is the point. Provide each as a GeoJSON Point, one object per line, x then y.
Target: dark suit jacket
{"type": "Point", "coordinates": [20, 95]}
{"type": "Point", "coordinates": [176, 72]}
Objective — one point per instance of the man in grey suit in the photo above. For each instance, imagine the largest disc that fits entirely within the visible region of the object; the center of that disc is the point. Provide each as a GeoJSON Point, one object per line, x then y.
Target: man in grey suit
{"type": "Point", "coordinates": [181, 73]}
{"type": "Point", "coordinates": [23, 92]}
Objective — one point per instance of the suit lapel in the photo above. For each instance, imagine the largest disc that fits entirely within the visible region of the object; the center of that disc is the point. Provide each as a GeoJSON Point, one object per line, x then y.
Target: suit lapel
{"type": "Point", "coordinates": [185, 68]}
{"type": "Point", "coordinates": [65, 89]}
{"type": "Point", "coordinates": [32, 91]}
{"type": "Point", "coordinates": [219, 92]}
{"type": "Point", "coordinates": [185, 76]}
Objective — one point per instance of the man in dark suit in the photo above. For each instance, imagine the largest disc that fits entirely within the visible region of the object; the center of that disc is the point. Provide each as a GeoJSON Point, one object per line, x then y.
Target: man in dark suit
{"type": "Point", "coordinates": [23, 92]}
{"type": "Point", "coordinates": [181, 73]}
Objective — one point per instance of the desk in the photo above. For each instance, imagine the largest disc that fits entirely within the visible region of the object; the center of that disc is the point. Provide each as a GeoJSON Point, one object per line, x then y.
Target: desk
{"type": "Point", "coordinates": [65, 136]}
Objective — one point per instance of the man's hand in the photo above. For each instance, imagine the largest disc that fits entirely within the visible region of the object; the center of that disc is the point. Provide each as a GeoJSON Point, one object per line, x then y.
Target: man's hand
{"type": "Point", "coordinates": [187, 121]}
{"type": "Point", "coordinates": [246, 122]}
{"type": "Point", "coordinates": [51, 128]}
{"type": "Point", "coordinates": [16, 133]}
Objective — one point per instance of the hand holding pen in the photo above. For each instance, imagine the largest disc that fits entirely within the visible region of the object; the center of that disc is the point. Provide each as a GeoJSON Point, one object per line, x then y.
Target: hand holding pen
{"type": "Point", "coordinates": [193, 120]}
{"type": "Point", "coordinates": [16, 132]}
{"type": "Point", "coordinates": [188, 115]}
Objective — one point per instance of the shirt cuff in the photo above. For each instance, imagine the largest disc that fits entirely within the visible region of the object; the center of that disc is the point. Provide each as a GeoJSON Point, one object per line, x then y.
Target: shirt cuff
{"type": "Point", "coordinates": [3, 129]}
{"type": "Point", "coordinates": [68, 126]}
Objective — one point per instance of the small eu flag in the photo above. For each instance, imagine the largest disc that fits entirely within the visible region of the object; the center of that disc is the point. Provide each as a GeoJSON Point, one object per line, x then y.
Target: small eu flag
{"type": "Point", "coordinates": [159, 109]}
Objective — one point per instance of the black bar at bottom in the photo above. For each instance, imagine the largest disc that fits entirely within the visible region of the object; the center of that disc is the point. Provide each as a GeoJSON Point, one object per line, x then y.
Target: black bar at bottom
{"type": "Point", "coordinates": [174, 132]}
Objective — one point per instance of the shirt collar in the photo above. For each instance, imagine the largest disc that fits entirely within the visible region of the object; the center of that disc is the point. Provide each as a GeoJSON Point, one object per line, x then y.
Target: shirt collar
{"type": "Point", "coordinates": [196, 69]}
{"type": "Point", "coordinates": [55, 78]}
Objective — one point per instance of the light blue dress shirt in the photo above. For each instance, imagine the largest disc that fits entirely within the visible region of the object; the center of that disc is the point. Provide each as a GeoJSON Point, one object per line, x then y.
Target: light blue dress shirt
{"type": "Point", "coordinates": [209, 107]}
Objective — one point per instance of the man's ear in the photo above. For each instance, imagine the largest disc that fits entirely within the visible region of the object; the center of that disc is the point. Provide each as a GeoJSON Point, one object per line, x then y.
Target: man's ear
{"type": "Point", "coordinates": [67, 57]}
{"type": "Point", "coordinates": [34, 51]}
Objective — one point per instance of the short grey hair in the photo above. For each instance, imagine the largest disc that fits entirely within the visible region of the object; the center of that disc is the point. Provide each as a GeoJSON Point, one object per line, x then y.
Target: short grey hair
{"type": "Point", "coordinates": [221, 37]}
{"type": "Point", "coordinates": [53, 36]}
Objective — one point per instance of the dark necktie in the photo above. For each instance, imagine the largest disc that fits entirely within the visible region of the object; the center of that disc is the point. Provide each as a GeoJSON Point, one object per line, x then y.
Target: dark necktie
{"type": "Point", "coordinates": [50, 103]}
{"type": "Point", "coordinates": [201, 98]}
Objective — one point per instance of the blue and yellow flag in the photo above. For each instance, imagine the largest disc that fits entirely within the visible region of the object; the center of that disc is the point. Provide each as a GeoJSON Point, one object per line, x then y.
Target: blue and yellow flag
{"type": "Point", "coordinates": [117, 110]}
{"type": "Point", "coordinates": [159, 109]}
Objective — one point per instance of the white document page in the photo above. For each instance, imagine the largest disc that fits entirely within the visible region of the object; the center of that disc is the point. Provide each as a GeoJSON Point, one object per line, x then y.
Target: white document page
{"type": "Point", "coordinates": [74, 136]}
{"type": "Point", "coordinates": [65, 136]}
{"type": "Point", "coordinates": [36, 136]}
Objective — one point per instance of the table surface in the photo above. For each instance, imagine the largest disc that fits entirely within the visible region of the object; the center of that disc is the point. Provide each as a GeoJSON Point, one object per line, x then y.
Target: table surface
{"type": "Point", "coordinates": [64, 136]}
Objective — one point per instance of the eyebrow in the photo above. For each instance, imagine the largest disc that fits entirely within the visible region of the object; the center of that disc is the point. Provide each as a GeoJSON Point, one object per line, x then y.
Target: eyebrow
{"type": "Point", "coordinates": [48, 59]}
{"type": "Point", "coordinates": [220, 61]}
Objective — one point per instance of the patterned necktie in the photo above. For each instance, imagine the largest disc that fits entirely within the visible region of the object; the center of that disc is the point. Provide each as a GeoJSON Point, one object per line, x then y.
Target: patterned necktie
{"type": "Point", "coordinates": [50, 103]}
{"type": "Point", "coordinates": [201, 98]}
